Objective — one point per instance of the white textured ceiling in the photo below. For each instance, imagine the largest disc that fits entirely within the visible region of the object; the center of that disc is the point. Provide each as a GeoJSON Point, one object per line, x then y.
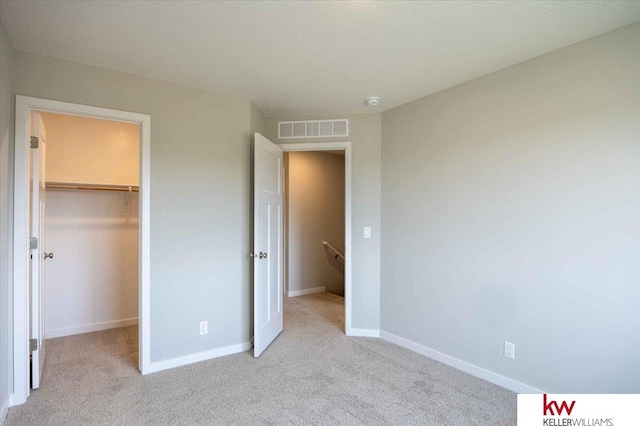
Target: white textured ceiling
{"type": "Point", "coordinates": [295, 58]}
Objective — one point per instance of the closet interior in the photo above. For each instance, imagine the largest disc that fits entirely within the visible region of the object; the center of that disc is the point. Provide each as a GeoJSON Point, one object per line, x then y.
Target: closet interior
{"type": "Point", "coordinates": [91, 224]}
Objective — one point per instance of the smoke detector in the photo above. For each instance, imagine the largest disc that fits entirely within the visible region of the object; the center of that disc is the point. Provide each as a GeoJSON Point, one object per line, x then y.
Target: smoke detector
{"type": "Point", "coordinates": [373, 101]}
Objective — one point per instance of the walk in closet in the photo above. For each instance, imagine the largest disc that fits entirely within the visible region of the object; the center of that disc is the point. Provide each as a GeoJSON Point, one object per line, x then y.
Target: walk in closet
{"type": "Point", "coordinates": [91, 224]}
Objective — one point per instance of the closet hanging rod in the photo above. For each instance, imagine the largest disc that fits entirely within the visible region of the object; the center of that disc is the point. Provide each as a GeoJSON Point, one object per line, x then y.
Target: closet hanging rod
{"type": "Point", "coordinates": [82, 186]}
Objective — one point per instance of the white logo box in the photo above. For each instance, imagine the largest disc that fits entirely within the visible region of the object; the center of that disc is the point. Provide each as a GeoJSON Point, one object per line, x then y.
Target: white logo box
{"type": "Point", "coordinates": [579, 410]}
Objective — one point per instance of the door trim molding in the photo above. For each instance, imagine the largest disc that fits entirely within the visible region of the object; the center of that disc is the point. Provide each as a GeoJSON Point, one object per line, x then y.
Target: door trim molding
{"type": "Point", "coordinates": [24, 105]}
{"type": "Point", "coordinates": [346, 147]}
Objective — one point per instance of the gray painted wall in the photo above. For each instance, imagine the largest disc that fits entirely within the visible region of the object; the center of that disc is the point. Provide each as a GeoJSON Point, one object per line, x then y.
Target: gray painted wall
{"type": "Point", "coordinates": [510, 211]}
{"type": "Point", "coordinates": [199, 197]}
{"type": "Point", "coordinates": [366, 189]}
{"type": "Point", "coordinates": [314, 204]}
{"type": "Point", "coordinates": [6, 200]}
{"type": "Point", "coordinates": [257, 121]}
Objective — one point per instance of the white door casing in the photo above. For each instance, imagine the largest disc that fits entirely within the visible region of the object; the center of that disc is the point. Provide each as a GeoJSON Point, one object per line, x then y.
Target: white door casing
{"type": "Point", "coordinates": [267, 243]}
{"type": "Point", "coordinates": [36, 278]}
{"type": "Point", "coordinates": [346, 147]}
{"type": "Point", "coordinates": [21, 232]}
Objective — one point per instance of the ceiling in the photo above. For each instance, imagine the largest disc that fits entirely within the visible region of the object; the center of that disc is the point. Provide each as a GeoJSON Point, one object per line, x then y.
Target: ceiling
{"type": "Point", "coordinates": [306, 58]}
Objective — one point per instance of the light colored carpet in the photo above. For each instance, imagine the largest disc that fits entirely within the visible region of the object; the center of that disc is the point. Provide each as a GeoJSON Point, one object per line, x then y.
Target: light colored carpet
{"type": "Point", "coordinates": [311, 374]}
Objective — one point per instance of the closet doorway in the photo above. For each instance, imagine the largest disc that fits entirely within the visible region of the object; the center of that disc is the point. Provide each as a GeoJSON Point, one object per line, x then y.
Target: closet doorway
{"type": "Point", "coordinates": [82, 202]}
{"type": "Point", "coordinates": [91, 223]}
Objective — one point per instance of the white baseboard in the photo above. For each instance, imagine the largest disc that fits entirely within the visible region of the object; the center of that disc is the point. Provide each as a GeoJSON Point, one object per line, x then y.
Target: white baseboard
{"type": "Point", "coordinates": [362, 332]}
{"type": "Point", "coordinates": [197, 357]}
{"type": "Point", "coordinates": [458, 364]}
{"type": "Point", "coordinates": [69, 331]}
{"type": "Point", "coordinates": [13, 401]}
{"type": "Point", "coordinates": [4, 409]}
{"type": "Point", "coordinates": [305, 291]}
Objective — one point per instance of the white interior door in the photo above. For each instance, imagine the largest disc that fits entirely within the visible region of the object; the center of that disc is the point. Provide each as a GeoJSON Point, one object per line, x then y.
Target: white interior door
{"type": "Point", "coordinates": [267, 243]}
{"type": "Point", "coordinates": [37, 204]}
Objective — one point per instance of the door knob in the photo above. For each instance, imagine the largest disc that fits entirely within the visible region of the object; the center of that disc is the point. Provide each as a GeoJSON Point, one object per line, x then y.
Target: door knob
{"type": "Point", "coordinates": [48, 255]}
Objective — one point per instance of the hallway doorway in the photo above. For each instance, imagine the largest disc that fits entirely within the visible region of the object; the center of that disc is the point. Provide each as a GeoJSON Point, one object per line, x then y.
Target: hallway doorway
{"type": "Point", "coordinates": [314, 222]}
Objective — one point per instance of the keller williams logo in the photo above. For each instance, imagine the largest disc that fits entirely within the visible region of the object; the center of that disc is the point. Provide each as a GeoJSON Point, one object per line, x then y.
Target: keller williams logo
{"type": "Point", "coordinates": [547, 407]}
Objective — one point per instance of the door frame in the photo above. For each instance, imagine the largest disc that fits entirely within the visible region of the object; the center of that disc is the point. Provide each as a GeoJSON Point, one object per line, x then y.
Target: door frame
{"type": "Point", "coordinates": [21, 317]}
{"type": "Point", "coordinates": [348, 255]}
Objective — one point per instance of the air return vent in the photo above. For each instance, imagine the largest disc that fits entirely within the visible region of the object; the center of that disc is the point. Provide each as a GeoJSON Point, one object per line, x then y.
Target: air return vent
{"type": "Point", "coordinates": [313, 129]}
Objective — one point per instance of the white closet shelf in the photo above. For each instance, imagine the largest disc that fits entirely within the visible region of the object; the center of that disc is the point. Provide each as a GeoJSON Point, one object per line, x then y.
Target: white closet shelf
{"type": "Point", "coordinates": [85, 186]}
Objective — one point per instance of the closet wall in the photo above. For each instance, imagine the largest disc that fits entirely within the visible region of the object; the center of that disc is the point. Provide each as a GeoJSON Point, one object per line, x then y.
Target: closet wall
{"type": "Point", "coordinates": [82, 149]}
{"type": "Point", "coordinates": [92, 281]}
{"type": "Point", "coordinates": [315, 213]}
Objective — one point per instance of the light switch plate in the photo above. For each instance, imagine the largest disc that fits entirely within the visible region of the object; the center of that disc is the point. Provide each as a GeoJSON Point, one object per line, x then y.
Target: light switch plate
{"type": "Point", "coordinates": [367, 232]}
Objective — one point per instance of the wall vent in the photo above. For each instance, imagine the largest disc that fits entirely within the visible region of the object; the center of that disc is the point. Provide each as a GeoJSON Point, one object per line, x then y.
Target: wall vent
{"type": "Point", "coordinates": [313, 129]}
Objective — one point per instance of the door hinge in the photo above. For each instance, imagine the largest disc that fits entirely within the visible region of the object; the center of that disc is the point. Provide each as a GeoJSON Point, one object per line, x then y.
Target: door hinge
{"type": "Point", "coordinates": [33, 344]}
{"type": "Point", "coordinates": [33, 243]}
{"type": "Point", "coordinates": [34, 142]}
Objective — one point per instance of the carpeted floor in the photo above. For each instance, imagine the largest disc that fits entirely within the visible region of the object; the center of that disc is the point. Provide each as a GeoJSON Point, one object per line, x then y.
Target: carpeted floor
{"type": "Point", "coordinates": [311, 374]}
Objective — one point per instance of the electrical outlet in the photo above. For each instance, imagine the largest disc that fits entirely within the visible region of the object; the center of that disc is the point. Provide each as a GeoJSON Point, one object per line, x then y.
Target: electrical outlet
{"type": "Point", "coordinates": [509, 350]}
{"type": "Point", "coordinates": [204, 327]}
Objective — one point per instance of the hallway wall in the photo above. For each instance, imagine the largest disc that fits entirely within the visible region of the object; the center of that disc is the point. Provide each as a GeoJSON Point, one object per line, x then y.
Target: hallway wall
{"type": "Point", "coordinates": [315, 211]}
